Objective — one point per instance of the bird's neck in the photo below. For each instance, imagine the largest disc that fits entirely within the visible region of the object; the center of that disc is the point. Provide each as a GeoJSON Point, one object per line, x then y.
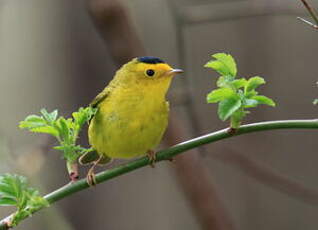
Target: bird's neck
{"type": "Point", "coordinates": [150, 89]}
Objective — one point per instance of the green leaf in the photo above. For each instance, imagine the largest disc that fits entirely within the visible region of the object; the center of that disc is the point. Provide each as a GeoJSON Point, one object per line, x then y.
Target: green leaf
{"type": "Point", "coordinates": [219, 95]}
{"type": "Point", "coordinates": [35, 119]}
{"type": "Point", "coordinates": [224, 81]}
{"type": "Point", "coordinates": [6, 190]}
{"type": "Point", "coordinates": [315, 102]}
{"type": "Point", "coordinates": [224, 64]}
{"type": "Point", "coordinates": [234, 95]}
{"type": "Point", "coordinates": [264, 100]}
{"type": "Point", "coordinates": [32, 121]}
{"type": "Point", "coordinates": [253, 83]}
{"type": "Point", "coordinates": [228, 106]}
{"type": "Point", "coordinates": [83, 115]}
{"type": "Point", "coordinates": [50, 117]}
{"type": "Point", "coordinates": [250, 94]}
{"type": "Point", "coordinates": [80, 117]}
{"type": "Point", "coordinates": [64, 128]}
{"type": "Point", "coordinates": [239, 83]}
{"type": "Point", "coordinates": [53, 115]}
{"type": "Point", "coordinates": [15, 191]}
{"type": "Point", "coordinates": [11, 185]}
{"type": "Point", "coordinates": [5, 201]}
{"type": "Point", "coordinates": [46, 129]}
{"type": "Point", "coordinates": [39, 124]}
{"type": "Point", "coordinates": [249, 103]}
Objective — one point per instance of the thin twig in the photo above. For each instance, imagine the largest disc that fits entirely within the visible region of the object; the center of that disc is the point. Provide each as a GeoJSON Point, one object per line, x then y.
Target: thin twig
{"type": "Point", "coordinates": [311, 11]}
{"type": "Point", "coordinates": [308, 22]}
{"type": "Point", "coordinates": [167, 154]}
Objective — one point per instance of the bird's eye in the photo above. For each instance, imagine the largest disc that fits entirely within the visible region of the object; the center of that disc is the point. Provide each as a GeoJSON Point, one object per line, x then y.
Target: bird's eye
{"type": "Point", "coordinates": [150, 72]}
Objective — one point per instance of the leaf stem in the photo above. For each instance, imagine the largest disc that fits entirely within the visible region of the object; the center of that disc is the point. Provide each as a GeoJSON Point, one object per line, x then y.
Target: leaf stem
{"type": "Point", "coordinates": [167, 154]}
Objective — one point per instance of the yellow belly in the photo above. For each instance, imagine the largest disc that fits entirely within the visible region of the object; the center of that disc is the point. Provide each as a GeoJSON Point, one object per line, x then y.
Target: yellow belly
{"type": "Point", "coordinates": [128, 127]}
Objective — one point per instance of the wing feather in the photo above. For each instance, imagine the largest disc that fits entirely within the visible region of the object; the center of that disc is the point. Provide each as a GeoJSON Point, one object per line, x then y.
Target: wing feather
{"type": "Point", "coordinates": [100, 97]}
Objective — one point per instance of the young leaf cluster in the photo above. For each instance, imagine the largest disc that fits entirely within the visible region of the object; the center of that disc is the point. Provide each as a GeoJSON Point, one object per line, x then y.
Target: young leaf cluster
{"type": "Point", "coordinates": [15, 191]}
{"type": "Point", "coordinates": [234, 95]}
{"type": "Point", "coordinates": [66, 131]}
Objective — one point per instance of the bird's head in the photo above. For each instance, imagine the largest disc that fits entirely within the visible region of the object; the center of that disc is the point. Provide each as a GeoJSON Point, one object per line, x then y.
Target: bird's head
{"type": "Point", "coordinates": [147, 71]}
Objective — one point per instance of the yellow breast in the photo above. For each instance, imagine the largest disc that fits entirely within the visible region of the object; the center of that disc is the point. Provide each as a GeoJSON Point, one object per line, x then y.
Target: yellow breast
{"type": "Point", "coordinates": [129, 122]}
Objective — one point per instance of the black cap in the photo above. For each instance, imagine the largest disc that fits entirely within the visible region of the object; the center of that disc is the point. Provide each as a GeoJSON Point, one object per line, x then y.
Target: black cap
{"type": "Point", "coordinates": [150, 60]}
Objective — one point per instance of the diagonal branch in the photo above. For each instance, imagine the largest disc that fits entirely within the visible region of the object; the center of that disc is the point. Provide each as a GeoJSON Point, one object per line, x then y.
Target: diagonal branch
{"type": "Point", "coordinates": [312, 13]}
{"type": "Point", "coordinates": [308, 22]}
{"type": "Point", "coordinates": [269, 177]}
{"type": "Point", "coordinates": [167, 154]}
{"type": "Point", "coordinates": [311, 10]}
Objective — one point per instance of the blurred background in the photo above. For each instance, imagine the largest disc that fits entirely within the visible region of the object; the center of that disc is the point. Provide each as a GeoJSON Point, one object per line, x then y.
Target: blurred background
{"type": "Point", "coordinates": [60, 54]}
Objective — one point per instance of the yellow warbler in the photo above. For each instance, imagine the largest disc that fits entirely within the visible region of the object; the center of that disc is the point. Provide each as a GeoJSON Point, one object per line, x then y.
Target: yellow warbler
{"type": "Point", "coordinates": [132, 112]}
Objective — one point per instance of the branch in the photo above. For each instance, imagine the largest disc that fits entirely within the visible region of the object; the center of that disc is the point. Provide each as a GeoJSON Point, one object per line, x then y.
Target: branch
{"type": "Point", "coordinates": [311, 10]}
{"type": "Point", "coordinates": [308, 22]}
{"type": "Point", "coordinates": [167, 154]}
{"type": "Point", "coordinates": [312, 13]}
{"type": "Point", "coordinates": [202, 194]}
{"type": "Point", "coordinates": [114, 25]}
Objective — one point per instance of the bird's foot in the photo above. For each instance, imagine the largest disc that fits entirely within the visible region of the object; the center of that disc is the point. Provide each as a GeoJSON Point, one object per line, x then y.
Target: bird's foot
{"type": "Point", "coordinates": [152, 158]}
{"type": "Point", "coordinates": [91, 178]}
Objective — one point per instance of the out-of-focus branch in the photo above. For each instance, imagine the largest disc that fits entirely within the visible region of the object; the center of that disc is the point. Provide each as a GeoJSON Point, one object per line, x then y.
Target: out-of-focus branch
{"type": "Point", "coordinates": [113, 23]}
{"type": "Point", "coordinates": [268, 176]}
{"type": "Point", "coordinates": [197, 184]}
{"type": "Point", "coordinates": [311, 10]}
{"type": "Point", "coordinates": [308, 22]}
{"type": "Point", "coordinates": [312, 13]}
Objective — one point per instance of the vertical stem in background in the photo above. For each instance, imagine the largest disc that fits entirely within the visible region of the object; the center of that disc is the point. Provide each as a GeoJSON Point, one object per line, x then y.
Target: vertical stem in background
{"type": "Point", "coordinates": [196, 182]}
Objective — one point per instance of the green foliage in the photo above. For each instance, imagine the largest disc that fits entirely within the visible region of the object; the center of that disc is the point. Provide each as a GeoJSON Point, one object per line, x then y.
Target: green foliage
{"type": "Point", "coordinates": [224, 64]}
{"type": "Point", "coordinates": [228, 106]}
{"type": "Point", "coordinates": [15, 191]}
{"type": "Point", "coordinates": [65, 130]}
{"type": "Point", "coordinates": [234, 95]}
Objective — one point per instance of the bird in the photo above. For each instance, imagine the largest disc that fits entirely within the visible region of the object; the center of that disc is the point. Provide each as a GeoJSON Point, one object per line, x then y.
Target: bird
{"type": "Point", "coordinates": [131, 113]}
